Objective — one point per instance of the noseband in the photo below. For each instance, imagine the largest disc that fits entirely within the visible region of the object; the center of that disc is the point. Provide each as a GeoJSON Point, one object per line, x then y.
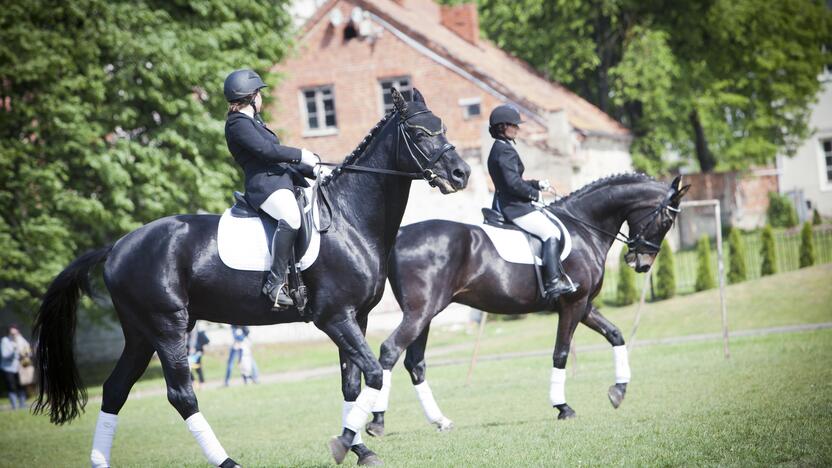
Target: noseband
{"type": "Point", "coordinates": [425, 170]}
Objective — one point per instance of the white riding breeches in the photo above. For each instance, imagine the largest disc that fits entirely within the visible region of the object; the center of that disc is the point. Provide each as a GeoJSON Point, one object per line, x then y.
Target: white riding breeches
{"type": "Point", "coordinates": [538, 224]}
{"type": "Point", "coordinates": [282, 205]}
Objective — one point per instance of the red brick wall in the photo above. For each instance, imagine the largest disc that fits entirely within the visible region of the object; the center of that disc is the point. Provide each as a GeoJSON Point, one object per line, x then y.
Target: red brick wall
{"type": "Point", "coordinates": [354, 67]}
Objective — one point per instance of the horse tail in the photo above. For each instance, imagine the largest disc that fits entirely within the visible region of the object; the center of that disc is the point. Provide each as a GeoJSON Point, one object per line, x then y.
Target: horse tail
{"type": "Point", "coordinates": [60, 390]}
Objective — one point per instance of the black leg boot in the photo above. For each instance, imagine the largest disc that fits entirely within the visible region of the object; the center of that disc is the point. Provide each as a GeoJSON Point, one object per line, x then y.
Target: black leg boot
{"type": "Point", "coordinates": [555, 280]}
{"type": "Point", "coordinates": [282, 244]}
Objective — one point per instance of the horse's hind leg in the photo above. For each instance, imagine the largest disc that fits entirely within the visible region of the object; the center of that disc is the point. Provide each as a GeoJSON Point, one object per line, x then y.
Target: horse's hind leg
{"type": "Point", "coordinates": [414, 362]}
{"type": "Point", "coordinates": [171, 335]}
{"type": "Point", "coordinates": [600, 324]}
{"type": "Point", "coordinates": [131, 365]}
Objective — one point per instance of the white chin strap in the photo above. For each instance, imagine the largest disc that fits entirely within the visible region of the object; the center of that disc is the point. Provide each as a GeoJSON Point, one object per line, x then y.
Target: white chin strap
{"type": "Point", "coordinates": [557, 385]}
{"type": "Point", "coordinates": [206, 439]}
{"type": "Point", "coordinates": [357, 415]}
{"type": "Point", "coordinates": [383, 400]}
{"type": "Point", "coordinates": [622, 364]}
{"type": "Point", "coordinates": [102, 440]}
{"type": "Point", "coordinates": [345, 410]}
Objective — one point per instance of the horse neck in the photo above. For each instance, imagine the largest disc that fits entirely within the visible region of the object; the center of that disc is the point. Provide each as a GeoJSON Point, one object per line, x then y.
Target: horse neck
{"type": "Point", "coordinates": [607, 207]}
{"type": "Point", "coordinates": [374, 204]}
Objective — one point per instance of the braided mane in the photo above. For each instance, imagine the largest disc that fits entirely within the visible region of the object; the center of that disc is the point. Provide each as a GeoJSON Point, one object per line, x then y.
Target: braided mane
{"type": "Point", "coordinates": [365, 143]}
{"type": "Point", "coordinates": [615, 179]}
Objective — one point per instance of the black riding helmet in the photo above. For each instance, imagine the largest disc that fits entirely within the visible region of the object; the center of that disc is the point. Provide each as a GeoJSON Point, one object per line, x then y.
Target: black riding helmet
{"type": "Point", "coordinates": [504, 113]}
{"type": "Point", "coordinates": [242, 83]}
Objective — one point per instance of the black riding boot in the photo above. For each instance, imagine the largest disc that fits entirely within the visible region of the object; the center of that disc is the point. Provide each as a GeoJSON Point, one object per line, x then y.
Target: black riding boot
{"type": "Point", "coordinates": [282, 244]}
{"type": "Point", "coordinates": [555, 280]}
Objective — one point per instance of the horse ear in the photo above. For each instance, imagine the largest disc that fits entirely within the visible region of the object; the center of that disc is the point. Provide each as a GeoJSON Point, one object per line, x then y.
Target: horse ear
{"type": "Point", "coordinates": [677, 197]}
{"type": "Point", "coordinates": [676, 182]}
{"type": "Point", "coordinates": [417, 96]}
{"type": "Point", "coordinates": [398, 101]}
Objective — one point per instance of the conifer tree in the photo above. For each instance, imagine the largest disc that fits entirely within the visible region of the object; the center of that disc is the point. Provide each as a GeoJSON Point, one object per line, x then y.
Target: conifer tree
{"type": "Point", "coordinates": [665, 275]}
{"type": "Point", "coordinates": [704, 272]}
{"type": "Point", "coordinates": [736, 258]}
{"type": "Point", "coordinates": [767, 252]}
{"type": "Point", "coordinates": [626, 293]}
{"type": "Point", "coordinates": [807, 246]}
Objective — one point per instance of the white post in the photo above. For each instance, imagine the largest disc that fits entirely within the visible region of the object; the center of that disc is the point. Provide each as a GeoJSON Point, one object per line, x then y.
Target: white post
{"type": "Point", "coordinates": [476, 347]}
{"type": "Point", "coordinates": [721, 270]}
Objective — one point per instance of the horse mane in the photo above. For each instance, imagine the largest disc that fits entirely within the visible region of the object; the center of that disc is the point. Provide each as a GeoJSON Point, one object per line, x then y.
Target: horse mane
{"type": "Point", "coordinates": [365, 143]}
{"type": "Point", "coordinates": [615, 179]}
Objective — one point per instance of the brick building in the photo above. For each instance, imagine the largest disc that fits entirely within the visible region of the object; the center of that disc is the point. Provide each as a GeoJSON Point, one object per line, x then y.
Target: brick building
{"type": "Point", "coordinates": [349, 52]}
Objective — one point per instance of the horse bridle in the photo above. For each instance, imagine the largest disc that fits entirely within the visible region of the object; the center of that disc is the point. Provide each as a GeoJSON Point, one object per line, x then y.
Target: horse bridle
{"type": "Point", "coordinates": [636, 243]}
{"type": "Point", "coordinates": [425, 171]}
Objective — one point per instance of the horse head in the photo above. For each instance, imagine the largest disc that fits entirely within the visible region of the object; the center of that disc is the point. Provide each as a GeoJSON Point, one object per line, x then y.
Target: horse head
{"type": "Point", "coordinates": [423, 146]}
{"type": "Point", "coordinates": [649, 225]}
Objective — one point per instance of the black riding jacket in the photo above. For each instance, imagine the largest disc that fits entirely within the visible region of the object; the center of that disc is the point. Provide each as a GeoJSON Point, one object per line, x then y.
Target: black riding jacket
{"type": "Point", "coordinates": [513, 195]}
{"type": "Point", "coordinates": [268, 166]}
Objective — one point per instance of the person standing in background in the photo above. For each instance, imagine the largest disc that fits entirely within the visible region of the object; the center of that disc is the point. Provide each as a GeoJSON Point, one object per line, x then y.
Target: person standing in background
{"type": "Point", "coordinates": [12, 347]}
{"type": "Point", "coordinates": [196, 349]}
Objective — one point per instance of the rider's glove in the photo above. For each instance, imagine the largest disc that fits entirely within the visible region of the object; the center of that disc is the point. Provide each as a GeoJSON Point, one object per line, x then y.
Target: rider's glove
{"type": "Point", "coordinates": [322, 172]}
{"type": "Point", "coordinates": [309, 158]}
{"type": "Point", "coordinates": [544, 185]}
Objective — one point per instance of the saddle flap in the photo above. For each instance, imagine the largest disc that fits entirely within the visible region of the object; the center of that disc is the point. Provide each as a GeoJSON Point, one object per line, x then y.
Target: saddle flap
{"type": "Point", "coordinates": [496, 219]}
{"type": "Point", "coordinates": [242, 208]}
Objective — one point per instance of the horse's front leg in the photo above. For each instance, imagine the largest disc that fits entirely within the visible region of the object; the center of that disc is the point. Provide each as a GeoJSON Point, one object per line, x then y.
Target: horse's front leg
{"type": "Point", "coordinates": [600, 324]}
{"type": "Point", "coordinates": [572, 312]}
{"type": "Point", "coordinates": [346, 333]}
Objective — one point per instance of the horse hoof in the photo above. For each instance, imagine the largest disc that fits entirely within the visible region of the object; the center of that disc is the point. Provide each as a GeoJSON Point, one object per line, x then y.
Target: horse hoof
{"type": "Point", "coordinates": [338, 449]}
{"type": "Point", "coordinates": [371, 459]}
{"type": "Point", "coordinates": [444, 425]}
{"type": "Point", "coordinates": [229, 463]}
{"type": "Point", "coordinates": [565, 412]}
{"type": "Point", "coordinates": [375, 429]}
{"type": "Point", "coordinates": [616, 394]}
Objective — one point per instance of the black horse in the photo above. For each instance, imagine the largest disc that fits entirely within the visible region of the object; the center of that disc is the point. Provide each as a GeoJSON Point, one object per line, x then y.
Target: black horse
{"type": "Point", "coordinates": [167, 274]}
{"type": "Point", "coordinates": [438, 262]}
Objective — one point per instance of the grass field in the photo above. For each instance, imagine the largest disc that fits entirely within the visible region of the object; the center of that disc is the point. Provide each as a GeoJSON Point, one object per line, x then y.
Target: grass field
{"type": "Point", "coordinates": [771, 403]}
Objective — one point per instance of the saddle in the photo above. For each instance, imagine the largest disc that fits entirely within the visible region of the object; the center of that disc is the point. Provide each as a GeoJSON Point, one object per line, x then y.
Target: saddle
{"type": "Point", "coordinates": [243, 209]}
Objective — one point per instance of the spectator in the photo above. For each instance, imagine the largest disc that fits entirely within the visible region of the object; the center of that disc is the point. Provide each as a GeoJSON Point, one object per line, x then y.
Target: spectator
{"type": "Point", "coordinates": [196, 349]}
{"type": "Point", "coordinates": [15, 349]}
{"type": "Point", "coordinates": [240, 349]}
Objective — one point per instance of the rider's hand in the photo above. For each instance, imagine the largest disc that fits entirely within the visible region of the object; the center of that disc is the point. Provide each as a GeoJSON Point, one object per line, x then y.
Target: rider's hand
{"type": "Point", "coordinates": [543, 185]}
{"type": "Point", "coordinates": [322, 172]}
{"type": "Point", "coordinates": [309, 158]}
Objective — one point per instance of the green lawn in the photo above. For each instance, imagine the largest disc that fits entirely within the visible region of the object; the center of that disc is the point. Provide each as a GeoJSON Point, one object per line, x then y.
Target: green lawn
{"type": "Point", "coordinates": [771, 403]}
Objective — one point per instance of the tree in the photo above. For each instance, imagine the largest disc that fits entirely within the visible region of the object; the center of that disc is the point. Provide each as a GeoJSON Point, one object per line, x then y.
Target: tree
{"type": "Point", "coordinates": [704, 272]}
{"type": "Point", "coordinates": [816, 219]}
{"type": "Point", "coordinates": [626, 292]}
{"type": "Point", "coordinates": [807, 246]}
{"type": "Point", "coordinates": [736, 263]}
{"type": "Point", "coordinates": [111, 115]}
{"type": "Point", "coordinates": [781, 212]}
{"type": "Point", "coordinates": [665, 274]}
{"type": "Point", "coordinates": [767, 252]}
{"type": "Point", "coordinates": [737, 76]}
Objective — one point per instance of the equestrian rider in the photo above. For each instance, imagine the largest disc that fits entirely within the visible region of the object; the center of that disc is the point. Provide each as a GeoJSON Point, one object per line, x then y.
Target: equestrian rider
{"type": "Point", "coordinates": [271, 172]}
{"type": "Point", "coordinates": [514, 196]}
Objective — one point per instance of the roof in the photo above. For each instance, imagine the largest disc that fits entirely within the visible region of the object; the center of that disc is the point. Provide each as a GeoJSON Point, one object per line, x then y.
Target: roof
{"type": "Point", "coordinates": [504, 74]}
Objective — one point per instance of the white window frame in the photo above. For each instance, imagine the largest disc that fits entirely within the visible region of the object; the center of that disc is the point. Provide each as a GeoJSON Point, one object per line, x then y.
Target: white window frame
{"type": "Point", "coordinates": [823, 167]}
{"type": "Point", "coordinates": [322, 129]}
{"type": "Point", "coordinates": [466, 104]}
{"type": "Point", "coordinates": [397, 80]}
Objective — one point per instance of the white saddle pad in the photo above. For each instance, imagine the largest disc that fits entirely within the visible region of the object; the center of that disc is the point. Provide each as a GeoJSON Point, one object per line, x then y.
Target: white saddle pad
{"type": "Point", "coordinates": [513, 246]}
{"type": "Point", "coordinates": [242, 242]}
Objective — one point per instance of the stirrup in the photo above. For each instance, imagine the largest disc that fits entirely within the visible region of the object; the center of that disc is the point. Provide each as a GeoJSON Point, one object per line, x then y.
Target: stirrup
{"type": "Point", "coordinates": [277, 293]}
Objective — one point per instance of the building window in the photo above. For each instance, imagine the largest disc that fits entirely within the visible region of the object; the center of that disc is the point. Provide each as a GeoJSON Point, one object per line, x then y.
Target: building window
{"type": "Point", "coordinates": [319, 110]}
{"type": "Point", "coordinates": [402, 83]}
{"type": "Point", "coordinates": [827, 159]}
{"type": "Point", "coordinates": [471, 108]}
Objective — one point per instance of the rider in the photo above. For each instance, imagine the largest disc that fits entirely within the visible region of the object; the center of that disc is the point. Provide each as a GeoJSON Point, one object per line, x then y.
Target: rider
{"type": "Point", "coordinates": [271, 172]}
{"type": "Point", "coordinates": [513, 197]}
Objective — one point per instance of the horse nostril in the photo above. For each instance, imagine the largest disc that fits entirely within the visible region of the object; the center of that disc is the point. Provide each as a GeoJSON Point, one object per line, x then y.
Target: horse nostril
{"type": "Point", "coordinates": [459, 175]}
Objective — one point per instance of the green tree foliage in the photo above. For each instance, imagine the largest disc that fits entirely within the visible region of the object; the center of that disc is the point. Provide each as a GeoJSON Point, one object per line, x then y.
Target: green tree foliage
{"type": "Point", "coordinates": [665, 274]}
{"type": "Point", "coordinates": [737, 271]}
{"type": "Point", "coordinates": [626, 293]}
{"type": "Point", "coordinates": [726, 83]}
{"type": "Point", "coordinates": [807, 246]}
{"type": "Point", "coordinates": [781, 212]}
{"type": "Point", "coordinates": [816, 219]}
{"type": "Point", "coordinates": [704, 271]}
{"type": "Point", "coordinates": [768, 252]}
{"type": "Point", "coordinates": [111, 115]}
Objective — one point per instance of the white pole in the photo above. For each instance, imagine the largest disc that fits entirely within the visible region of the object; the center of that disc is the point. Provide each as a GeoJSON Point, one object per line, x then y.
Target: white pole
{"type": "Point", "coordinates": [476, 347]}
{"type": "Point", "coordinates": [721, 270]}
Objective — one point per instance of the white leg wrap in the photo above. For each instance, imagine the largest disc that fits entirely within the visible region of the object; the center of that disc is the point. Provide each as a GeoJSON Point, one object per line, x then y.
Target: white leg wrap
{"type": "Point", "coordinates": [383, 399]}
{"type": "Point", "coordinates": [344, 412]}
{"type": "Point", "coordinates": [432, 411]}
{"type": "Point", "coordinates": [557, 386]}
{"type": "Point", "coordinates": [622, 364]}
{"type": "Point", "coordinates": [206, 439]}
{"type": "Point", "coordinates": [357, 416]}
{"type": "Point", "coordinates": [102, 440]}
